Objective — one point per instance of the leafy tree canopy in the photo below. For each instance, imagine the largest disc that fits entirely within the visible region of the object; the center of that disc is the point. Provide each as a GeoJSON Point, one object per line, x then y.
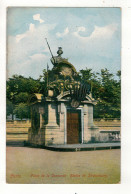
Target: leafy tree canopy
{"type": "Point", "coordinates": [106, 90]}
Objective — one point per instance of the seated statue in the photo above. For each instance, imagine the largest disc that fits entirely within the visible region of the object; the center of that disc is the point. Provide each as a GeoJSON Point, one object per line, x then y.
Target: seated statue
{"type": "Point", "coordinates": [58, 59]}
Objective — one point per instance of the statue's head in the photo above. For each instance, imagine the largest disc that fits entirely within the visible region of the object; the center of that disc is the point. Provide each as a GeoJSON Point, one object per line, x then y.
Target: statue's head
{"type": "Point", "coordinates": [59, 52]}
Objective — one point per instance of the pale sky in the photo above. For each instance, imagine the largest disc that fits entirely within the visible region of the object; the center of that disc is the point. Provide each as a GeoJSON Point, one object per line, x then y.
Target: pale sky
{"type": "Point", "coordinates": [89, 37]}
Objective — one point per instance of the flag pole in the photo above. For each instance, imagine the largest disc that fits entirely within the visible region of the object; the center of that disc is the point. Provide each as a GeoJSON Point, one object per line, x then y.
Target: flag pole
{"type": "Point", "coordinates": [50, 49]}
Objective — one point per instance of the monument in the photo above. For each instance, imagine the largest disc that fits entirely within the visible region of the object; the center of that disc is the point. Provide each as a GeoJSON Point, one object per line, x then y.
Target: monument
{"type": "Point", "coordinates": [65, 114]}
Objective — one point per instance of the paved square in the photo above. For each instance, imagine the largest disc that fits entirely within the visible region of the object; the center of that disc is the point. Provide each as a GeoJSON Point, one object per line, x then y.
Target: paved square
{"type": "Point", "coordinates": [31, 165]}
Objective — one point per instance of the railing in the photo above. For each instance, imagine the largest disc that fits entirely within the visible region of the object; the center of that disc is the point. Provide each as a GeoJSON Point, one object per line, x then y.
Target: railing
{"type": "Point", "coordinates": [110, 136]}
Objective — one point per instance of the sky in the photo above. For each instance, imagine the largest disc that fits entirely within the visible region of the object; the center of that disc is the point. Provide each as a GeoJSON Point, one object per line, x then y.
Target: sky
{"type": "Point", "coordinates": [89, 37]}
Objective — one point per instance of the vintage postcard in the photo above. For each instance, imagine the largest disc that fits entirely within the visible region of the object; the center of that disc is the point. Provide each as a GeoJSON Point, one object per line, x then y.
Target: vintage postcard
{"type": "Point", "coordinates": [63, 95]}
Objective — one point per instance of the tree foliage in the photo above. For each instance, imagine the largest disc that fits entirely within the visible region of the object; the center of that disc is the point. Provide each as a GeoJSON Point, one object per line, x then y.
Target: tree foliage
{"type": "Point", "coordinates": [105, 88]}
{"type": "Point", "coordinates": [18, 90]}
{"type": "Point", "coordinates": [22, 111]}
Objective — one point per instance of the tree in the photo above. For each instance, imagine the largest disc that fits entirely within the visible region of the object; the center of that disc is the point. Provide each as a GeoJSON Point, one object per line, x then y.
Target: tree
{"type": "Point", "coordinates": [21, 97]}
{"type": "Point", "coordinates": [18, 90]}
{"type": "Point", "coordinates": [22, 111]}
{"type": "Point", "coordinates": [19, 84]}
{"type": "Point", "coordinates": [109, 96]}
{"type": "Point", "coordinates": [106, 90]}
